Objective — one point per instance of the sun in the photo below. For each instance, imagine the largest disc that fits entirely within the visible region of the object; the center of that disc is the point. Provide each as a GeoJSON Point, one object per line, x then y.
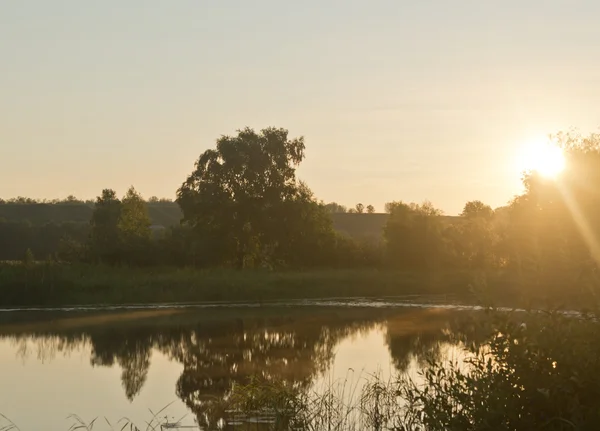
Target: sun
{"type": "Point", "coordinates": [543, 157]}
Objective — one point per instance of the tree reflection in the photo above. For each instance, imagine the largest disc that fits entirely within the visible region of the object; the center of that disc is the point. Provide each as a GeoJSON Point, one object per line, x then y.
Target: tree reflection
{"type": "Point", "coordinates": [217, 357]}
{"type": "Point", "coordinates": [130, 350]}
{"type": "Point", "coordinates": [417, 336]}
{"type": "Point", "coordinates": [222, 349]}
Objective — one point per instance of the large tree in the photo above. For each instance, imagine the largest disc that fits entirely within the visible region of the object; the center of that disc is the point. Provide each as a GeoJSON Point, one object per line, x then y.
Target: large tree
{"type": "Point", "coordinates": [242, 196]}
{"type": "Point", "coordinates": [554, 234]}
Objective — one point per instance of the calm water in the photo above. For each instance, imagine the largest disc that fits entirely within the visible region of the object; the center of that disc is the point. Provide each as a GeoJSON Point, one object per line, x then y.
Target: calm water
{"type": "Point", "coordinates": [123, 362]}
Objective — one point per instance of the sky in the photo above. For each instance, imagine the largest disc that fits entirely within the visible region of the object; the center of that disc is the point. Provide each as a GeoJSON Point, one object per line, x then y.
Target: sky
{"type": "Point", "coordinates": [397, 100]}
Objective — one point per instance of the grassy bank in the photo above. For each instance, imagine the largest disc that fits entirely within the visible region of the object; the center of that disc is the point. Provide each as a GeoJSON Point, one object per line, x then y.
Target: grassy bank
{"type": "Point", "coordinates": [55, 284]}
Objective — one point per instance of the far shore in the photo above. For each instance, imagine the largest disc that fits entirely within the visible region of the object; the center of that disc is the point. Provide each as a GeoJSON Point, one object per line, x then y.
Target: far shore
{"type": "Point", "coordinates": [57, 285]}
{"type": "Point", "coordinates": [50, 285]}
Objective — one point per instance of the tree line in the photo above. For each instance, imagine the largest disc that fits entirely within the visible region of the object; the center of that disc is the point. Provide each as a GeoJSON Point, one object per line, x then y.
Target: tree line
{"type": "Point", "coordinates": [244, 207]}
{"type": "Point", "coordinates": [359, 208]}
{"type": "Point", "coordinates": [69, 200]}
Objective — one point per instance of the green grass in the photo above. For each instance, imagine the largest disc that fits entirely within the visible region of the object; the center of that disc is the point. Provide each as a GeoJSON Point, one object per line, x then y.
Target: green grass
{"type": "Point", "coordinates": [57, 284]}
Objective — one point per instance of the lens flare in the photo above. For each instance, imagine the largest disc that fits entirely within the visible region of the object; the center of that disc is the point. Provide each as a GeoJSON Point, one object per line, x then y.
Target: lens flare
{"type": "Point", "coordinates": [543, 157]}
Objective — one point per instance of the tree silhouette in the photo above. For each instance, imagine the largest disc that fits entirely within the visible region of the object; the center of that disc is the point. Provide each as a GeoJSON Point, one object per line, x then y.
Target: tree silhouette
{"type": "Point", "coordinates": [244, 201]}
{"type": "Point", "coordinates": [334, 207]}
{"type": "Point", "coordinates": [477, 209]}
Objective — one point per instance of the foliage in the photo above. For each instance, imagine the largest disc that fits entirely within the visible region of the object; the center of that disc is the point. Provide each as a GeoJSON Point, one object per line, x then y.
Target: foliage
{"type": "Point", "coordinates": [43, 240]}
{"type": "Point", "coordinates": [240, 192]}
{"type": "Point", "coordinates": [104, 237]}
{"type": "Point", "coordinates": [334, 207]}
{"type": "Point", "coordinates": [133, 227]}
{"type": "Point", "coordinates": [474, 241]}
{"type": "Point", "coordinates": [120, 229]}
{"type": "Point", "coordinates": [157, 200]}
{"type": "Point", "coordinates": [243, 206]}
{"type": "Point", "coordinates": [56, 284]}
{"type": "Point", "coordinates": [71, 250]}
{"type": "Point", "coordinates": [370, 209]}
{"type": "Point", "coordinates": [413, 234]}
{"type": "Point", "coordinates": [133, 222]}
{"type": "Point", "coordinates": [519, 376]}
{"type": "Point", "coordinates": [304, 235]}
{"type": "Point", "coordinates": [552, 233]}
{"type": "Point", "coordinates": [477, 209]}
{"type": "Point", "coordinates": [162, 211]}
{"type": "Point", "coordinates": [342, 406]}
{"type": "Point", "coordinates": [514, 373]}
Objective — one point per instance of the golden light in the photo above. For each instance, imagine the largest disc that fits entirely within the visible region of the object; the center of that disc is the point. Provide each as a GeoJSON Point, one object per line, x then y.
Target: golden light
{"type": "Point", "coordinates": [543, 157]}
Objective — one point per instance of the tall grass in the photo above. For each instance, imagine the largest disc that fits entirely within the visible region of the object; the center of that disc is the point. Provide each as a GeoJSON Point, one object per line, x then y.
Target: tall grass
{"type": "Point", "coordinates": [346, 405]}
{"type": "Point", "coordinates": [527, 372]}
{"type": "Point", "coordinates": [156, 422]}
{"type": "Point", "coordinates": [44, 284]}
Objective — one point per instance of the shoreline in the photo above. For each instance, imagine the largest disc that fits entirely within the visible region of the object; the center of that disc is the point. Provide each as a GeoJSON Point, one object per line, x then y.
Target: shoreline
{"type": "Point", "coordinates": [42, 286]}
{"type": "Point", "coordinates": [77, 285]}
{"type": "Point", "coordinates": [333, 302]}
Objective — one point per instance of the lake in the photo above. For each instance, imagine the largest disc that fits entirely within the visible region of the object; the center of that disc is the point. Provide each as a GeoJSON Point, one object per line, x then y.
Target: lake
{"type": "Point", "coordinates": [126, 362]}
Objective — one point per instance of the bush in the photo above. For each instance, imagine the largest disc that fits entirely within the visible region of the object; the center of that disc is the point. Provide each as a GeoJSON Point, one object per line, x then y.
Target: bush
{"type": "Point", "coordinates": [529, 371]}
{"type": "Point", "coordinates": [520, 371]}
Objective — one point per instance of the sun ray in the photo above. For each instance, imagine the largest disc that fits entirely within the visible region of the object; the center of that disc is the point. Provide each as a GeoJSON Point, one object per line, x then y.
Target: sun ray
{"type": "Point", "coordinates": [585, 229]}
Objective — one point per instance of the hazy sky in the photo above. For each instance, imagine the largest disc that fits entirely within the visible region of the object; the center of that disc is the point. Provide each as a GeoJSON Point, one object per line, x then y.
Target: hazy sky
{"type": "Point", "coordinates": [397, 100]}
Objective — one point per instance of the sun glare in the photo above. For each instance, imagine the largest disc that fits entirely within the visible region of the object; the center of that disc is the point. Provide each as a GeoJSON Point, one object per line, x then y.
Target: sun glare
{"type": "Point", "coordinates": [543, 157]}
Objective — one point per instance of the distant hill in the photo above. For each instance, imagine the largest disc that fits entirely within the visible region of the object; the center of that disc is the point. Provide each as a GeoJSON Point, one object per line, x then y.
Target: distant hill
{"type": "Point", "coordinates": [161, 213]}
{"type": "Point", "coordinates": [360, 226]}
{"type": "Point", "coordinates": [368, 226]}
{"type": "Point", "coordinates": [40, 214]}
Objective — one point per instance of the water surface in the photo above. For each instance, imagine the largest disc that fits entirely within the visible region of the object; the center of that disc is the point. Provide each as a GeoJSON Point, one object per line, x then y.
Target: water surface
{"type": "Point", "coordinates": [124, 362]}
